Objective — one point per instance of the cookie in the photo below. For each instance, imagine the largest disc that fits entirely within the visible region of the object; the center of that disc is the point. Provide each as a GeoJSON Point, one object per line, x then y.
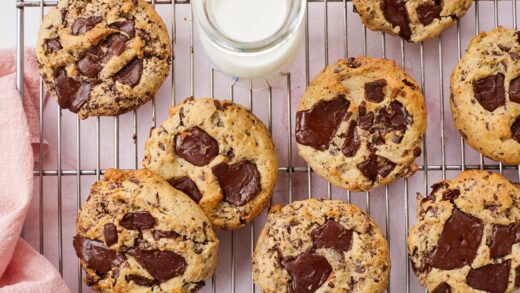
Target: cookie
{"type": "Point", "coordinates": [220, 154]}
{"type": "Point", "coordinates": [360, 123]}
{"type": "Point", "coordinates": [319, 245]}
{"type": "Point", "coordinates": [103, 57]}
{"type": "Point", "coordinates": [135, 233]}
{"type": "Point", "coordinates": [467, 235]}
{"type": "Point", "coordinates": [485, 95]}
{"type": "Point", "coordinates": [413, 20]}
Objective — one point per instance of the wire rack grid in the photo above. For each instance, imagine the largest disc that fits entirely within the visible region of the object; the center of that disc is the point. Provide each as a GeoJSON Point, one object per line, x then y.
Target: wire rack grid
{"type": "Point", "coordinates": [82, 150]}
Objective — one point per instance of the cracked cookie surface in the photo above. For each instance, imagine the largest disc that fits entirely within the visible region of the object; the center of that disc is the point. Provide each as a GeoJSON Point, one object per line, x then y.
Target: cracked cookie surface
{"type": "Point", "coordinates": [360, 123]}
{"type": "Point", "coordinates": [103, 57]}
{"type": "Point", "coordinates": [220, 154]}
{"type": "Point", "coordinates": [135, 233]}
{"type": "Point", "coordinates": [467, 235]}
{"type": "Point", "coordinates": [485, 95]}
{"type": "Point", "coordinates": [320, 246]}
{"type": "Point", "coordinates": [413, 20]}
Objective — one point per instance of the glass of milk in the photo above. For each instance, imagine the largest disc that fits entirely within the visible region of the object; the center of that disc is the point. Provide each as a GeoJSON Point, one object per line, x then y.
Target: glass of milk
{"type": "Point", "coordinates": [250, 39]}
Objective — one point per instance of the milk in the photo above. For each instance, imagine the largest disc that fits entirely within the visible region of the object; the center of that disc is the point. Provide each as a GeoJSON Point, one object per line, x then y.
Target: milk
{"type": "Point", "coordinates": [250, 39]}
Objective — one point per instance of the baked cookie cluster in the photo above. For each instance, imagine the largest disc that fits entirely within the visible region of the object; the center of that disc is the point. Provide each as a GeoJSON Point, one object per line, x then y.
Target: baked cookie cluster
{"type": "Point", "coordinates": [103, 57]}
{"type": "Point", "coordinates": [361, 122]}
{"type": "Point", "coordinates": [467, 235]}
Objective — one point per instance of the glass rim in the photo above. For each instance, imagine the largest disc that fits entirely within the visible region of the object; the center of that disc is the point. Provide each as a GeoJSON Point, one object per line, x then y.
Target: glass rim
{"type": "Point", "coordinates": [217, 36]}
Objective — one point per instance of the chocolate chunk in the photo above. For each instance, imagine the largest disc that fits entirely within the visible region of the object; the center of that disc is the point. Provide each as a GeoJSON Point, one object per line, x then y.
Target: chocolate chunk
{"type": "Point", "coordinates": [517, 276]}
{"type": "Point", "coordinates": [376, 165]}
{"type": "Point", "coordinates": [332, 235]}
{"type": "Point", "coordinates": [196, 146]}
{"type": "Point", "coordinates": [514, 90]}
{"type": "Point", "coordinates": [395, 13]}
{"type": "Point", "coordinates": [428, 12]}
{"type": "Point", "coordinates": [162, 265]}
{"type": "Point", "coordinates": [458, 243]}
{"type": "Point", "coordinates": [374, 91]}
{"type": "Point", "coordinates": [199, 285]}
{"type": "Point", "coordinates": [451, 194]}
{"type": "Point", "coordinates": [490, 92]}
{"type": "Point", "coordinates": [71, 94]}
{"type": "Point", "coordinates": [127, 27]}
{"type": "Point", "coordinates": [110, 232]}
{"type": "Point", "coordinates": [221, 106]}
{"type": "Point", "coordinates": [352, 62]}
{"type": "Point", "coordinates": [492, 278]}
{"type": "Point", "coordinates": [352, 142]}
{"type": "Point", "coordinates": [515, 130]}
{"type": "Point", "coordinates": [141, 281]}
{"type": "Point", "coordinates": [308, 272]}
{"type": "Point", "coordinates": [317, 126]}
{"type": "Point", "coordinates": [366, 119]}
{"type": "Point", "coordinates": [90, 64]}
{"type": "Point", "coordinates": [239, 182]}
{"type": "Point", "coordinates": [502, 238]}
{"type": "Point", "coordinates": [417, 151]}
{"type": "Point", "coordinates": [116, 45]}
{"type": "Point", "coordinates": [158, 234]}
{"type": "Point", "coordinates": [131, 73]}
{"type": "Point", "coordinates": [442, 288]}
{"type": "Point", "coordinates": [95, 255]}
{"type": "Point", "coordinates": [52, 45]}
{"type": "Point", "coordinates": [83, 25]}
{"type": "Point", "coordinates": [186, 185]}
{"type": "Point", "coordinates": [394, 117]}
{"type": "Point", "coordinates": [138, 221]}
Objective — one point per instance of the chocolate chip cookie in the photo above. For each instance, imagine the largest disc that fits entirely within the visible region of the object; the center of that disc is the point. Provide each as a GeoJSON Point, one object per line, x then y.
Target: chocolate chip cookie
{"type": "Point", "coordinates": [220, 154]}
{"type": "Point", "coordinates": [321, 245]}
{"type": "Point", "coordinates": [103, 57]}
{"type": "Point", "coordinates": [360, 123]}
{"type": "Point", "coordinates": [413, 20]}
{"type": "Point", "coordinates": [485, 95]}
{"type": "Point", "coordinates": [467, 235]}
{"type": "Point", "coordinates": [135, 233]}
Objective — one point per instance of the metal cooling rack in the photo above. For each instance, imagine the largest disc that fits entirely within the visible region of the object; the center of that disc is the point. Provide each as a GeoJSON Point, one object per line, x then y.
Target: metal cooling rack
{"type": "Point", "coordinates": [393, 203]}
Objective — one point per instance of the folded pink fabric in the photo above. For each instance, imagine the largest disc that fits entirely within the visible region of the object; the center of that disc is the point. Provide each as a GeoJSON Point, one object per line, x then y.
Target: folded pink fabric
{"type": "Point", "coordinates": [21, 268]}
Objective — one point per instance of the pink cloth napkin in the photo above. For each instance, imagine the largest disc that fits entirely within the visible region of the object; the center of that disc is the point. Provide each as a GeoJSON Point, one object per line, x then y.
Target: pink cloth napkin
{"type": "Point", "coordinates": [21, 268]}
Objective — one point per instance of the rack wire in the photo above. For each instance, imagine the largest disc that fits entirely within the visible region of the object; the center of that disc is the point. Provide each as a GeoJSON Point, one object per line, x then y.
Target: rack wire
{"type": "Point", "coordinates": [392, 204]}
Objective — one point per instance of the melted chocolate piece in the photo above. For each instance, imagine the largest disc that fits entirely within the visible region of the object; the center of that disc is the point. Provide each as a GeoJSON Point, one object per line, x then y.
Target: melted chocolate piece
{"type": "Point", "coordinates": [138, 221]}
{"type": "Point", "coordinates": [395, 13]}
{"type": "Point", "coordinates": [95, 255]}
{"type": "Point", "coordinates": [374, 91]}
{"type": "Point", "coordinates": [240, 182]}
{"type": "Point", "coordinates": [376, 165]}
{"type": "Point", "coordinates": [517, 276]}
{"type": "Point", "coordinates": [90, 64]}
{"type": "Point", "coordinates": [221, 106]}
{"type": "Point", "coordinates": [52, 45]}
{"type": "Point", "coordinates": [83, 25]}
{"type": "Point", "coordinates": [492, 278]}
{"type": "Point", "coordinates": [515, 130]}
{"type": "Point", "coordinates": [514, 90]}
{"type": "Point", "coordinates": [417, 151]}
{"type": "Point", "coordinates": [116, 45]}
{"type": "Point", "coordinates": [186, 185]}
{"type": "Point", "coordinates": [502, 238]}
{"type": "Point", "coordinates": [451, 194]}
{"type": "Point", "coordinates": [317, 126]}
{"type": "Point", "coordinates": [428, 12]}
{"type": "Point", "coordinates": [196, 146]}
{"type": "Point", "coordinates": [158, 234]}
{"type": "Point", "coordinates": [352, 142]}
{"type": "Point", "coordinates": [352, 62]}
{"type": "Point", "coordinates": [490, 92]}
{"type": "Point", "coordinates": [366, 120]}
{"type": "Point", "coordinates": [308, 272]}
{"type": "Point", "coordinates": [394, 117]}
{"type": "Point", "coordinates": [131, 73]}
{"type": "Point", "coordinates": [110, 233]}
{"type": "Point", "coordinates": [442, 288]}
{"type": "Point", "coordinates": [141, 281]}
{"type": "Point", "coordinates": [332, 235]}
{"type": "Point", "coordinates": [127, 27]}
{"type": "Point", "coordinates": [162, 265]}
{"type": "Point", "coordinates": [71, 94]}
{"type": "Point", "coordinates": [458, 243]}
